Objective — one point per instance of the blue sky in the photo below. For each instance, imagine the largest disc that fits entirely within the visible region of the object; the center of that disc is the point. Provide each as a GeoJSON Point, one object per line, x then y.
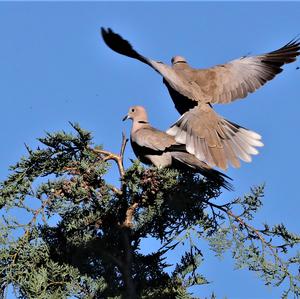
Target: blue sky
{"type": "Point", "coordinates": [55, 68]}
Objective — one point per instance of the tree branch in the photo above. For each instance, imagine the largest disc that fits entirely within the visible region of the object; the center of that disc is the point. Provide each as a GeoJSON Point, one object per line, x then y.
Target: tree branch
{"type": "Point", "coordinates": [29, 226]}
{"type": "Point", "coordinates": [252, 229]}
{"type": "Point", "coordinates": [129, 215]}
{"type": "Point", "coordinates": [111, 156]}
{"type": "Point", "coordinates": [126, 265]}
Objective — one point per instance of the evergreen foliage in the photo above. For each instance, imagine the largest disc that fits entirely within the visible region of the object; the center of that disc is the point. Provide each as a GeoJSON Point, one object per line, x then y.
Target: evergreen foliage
{"type": "Point", "coordinates": [93, 248]}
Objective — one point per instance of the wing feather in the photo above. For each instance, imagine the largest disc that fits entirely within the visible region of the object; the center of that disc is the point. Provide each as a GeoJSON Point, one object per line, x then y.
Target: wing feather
{"type": "Point", "coordinates": [153, 139]}
{"type": "Point", "coordinates": [242, 76]}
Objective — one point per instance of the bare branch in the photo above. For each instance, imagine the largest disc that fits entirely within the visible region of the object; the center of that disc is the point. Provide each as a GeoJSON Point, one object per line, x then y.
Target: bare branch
{"type": "Point", "coordinates": [123, 146]}
{"type": "Point", "coordinates": [129, 215]}
{"type": "Point", "coordinates": [115, 157]}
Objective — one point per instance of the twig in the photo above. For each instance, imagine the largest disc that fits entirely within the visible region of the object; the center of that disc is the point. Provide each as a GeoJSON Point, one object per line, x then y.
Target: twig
{"type": "Point", "coordinates": [129, 215]}
{"type": "Point", "coordinates": [111, 156]}
{"type": "Point", "coordinates": [123, 146]}
{"type": "Point", "coordinates": [29, 225]}
{"type": "Point", "coordinates": [251, 228]}
{"type": "Point", "coordinates": [116, 190]}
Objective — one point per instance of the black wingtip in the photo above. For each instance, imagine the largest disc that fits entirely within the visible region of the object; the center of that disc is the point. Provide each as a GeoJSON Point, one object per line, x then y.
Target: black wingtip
{"type": "Point", "coordinates": [293, 46]}
{"type": "Point", "coordinates": [296, 39]}
{"type": "Point", "coordinates": [102, 32]}
{"type": "Point", "coordinates": [120, 45]}
{"type": "Point", "coordinates": [105, 31]}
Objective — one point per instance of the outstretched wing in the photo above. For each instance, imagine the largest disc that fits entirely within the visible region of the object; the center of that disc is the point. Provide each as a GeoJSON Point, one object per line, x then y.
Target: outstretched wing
{"type": "Point", "coordinates": [115, 42]}
{"type": "Point", "coordinates": [219, 84]}
{"type": "Point", "coordinates": [120, 45]}
{"type": "Point", "coordinates": [236, 79]}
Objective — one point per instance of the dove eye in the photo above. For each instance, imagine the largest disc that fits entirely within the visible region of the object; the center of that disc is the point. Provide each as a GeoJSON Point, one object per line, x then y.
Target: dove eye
{"type": "Point", "coordinates": [132, 110]}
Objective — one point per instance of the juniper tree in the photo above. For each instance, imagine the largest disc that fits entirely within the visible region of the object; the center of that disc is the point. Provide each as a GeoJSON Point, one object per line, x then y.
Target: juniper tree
{"type": "Point", "coordinates": [66, 232]}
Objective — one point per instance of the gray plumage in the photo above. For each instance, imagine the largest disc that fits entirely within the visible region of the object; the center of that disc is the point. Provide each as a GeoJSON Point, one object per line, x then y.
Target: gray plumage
{"type": "Point", "coordinates": [207, 135]}
{"type": "Point", "coordinates": [214, 139]}
{"type": "Point", "coordinates": [155, 147]}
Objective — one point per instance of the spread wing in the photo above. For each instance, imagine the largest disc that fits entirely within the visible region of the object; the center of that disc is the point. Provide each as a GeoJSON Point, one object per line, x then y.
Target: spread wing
{"type": "Point", "coordinates": [236, 79]}
{"type": "Point", "coordinates": [214, 140]}
{"type": "Point", "coordinates": [120, 45]}
{"type": "Point", "coordinates": [115, 42]}
{"type": "Point", "coordinates": [219, 84]}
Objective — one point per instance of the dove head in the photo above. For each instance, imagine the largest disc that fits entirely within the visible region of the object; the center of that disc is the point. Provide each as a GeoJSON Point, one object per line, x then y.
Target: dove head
{"type": "Point", "coordinates": [137, 114]}
{"type": "Point", "coordinates": [178, 59]}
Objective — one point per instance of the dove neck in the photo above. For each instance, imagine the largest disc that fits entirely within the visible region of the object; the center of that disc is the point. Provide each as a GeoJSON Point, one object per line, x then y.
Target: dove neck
{"type": "Point", "coordinates": [180, 65]}
{"type": "Point", "coordinates": [139, 124]}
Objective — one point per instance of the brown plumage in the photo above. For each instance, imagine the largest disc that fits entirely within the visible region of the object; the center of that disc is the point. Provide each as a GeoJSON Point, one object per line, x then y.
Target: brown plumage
{"type": "Point", "coordinates": [207, 135]}
{"type": "Point", "coordinates": [155, 147]}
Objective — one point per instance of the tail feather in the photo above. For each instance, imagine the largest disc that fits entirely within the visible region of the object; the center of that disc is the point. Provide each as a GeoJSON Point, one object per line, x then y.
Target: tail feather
{"type": "Point", "coordinates": [213, 139]}
{"type": "Point", "coordinates": [189, 161]}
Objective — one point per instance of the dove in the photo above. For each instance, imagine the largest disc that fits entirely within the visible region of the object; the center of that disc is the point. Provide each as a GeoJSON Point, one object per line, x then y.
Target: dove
{"type": "Point", "coordinates": [155, 147]}
{"type": "Point", "coordinates": [207, 135]}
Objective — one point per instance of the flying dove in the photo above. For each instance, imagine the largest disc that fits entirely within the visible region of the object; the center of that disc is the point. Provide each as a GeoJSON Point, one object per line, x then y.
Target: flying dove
{"type": "Point", "coordinates": [207, 135]}
{"type": "Point", "coordinates": [155, 147]}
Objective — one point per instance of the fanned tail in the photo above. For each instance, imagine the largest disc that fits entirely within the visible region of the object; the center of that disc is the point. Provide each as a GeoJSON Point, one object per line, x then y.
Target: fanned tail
{"type": "Point", "coordinates": [213, 139]}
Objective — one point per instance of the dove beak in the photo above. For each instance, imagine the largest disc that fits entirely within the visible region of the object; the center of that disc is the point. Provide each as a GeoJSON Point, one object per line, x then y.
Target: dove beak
{"type": "Point", "coordinates": [125, 117]}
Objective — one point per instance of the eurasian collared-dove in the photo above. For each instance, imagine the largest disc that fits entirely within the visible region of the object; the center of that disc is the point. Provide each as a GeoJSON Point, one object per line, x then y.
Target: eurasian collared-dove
{"type": "Point", "coordinates": [152, 146]}
{"type": "Point", "coordinates": [210, 137]}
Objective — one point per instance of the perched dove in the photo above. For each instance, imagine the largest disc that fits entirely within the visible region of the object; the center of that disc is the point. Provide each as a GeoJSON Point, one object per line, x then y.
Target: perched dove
{"type": "Point", "coordinates": [152, 146]}
{"type": "Point", "coordinates": [207, 135]}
